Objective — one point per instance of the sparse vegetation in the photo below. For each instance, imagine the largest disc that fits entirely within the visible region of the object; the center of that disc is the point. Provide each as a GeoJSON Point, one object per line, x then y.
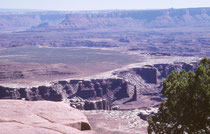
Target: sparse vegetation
{"type": "Point", "coordinates": [187, 107]}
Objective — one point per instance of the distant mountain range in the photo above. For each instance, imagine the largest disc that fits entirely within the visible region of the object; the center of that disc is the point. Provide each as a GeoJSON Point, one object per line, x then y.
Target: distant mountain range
{"type": "Point", "coordinates": [141, 18]}
{"type": "Point", "coordinates": [183, 32]}
{"type": "Point", "coordinates": [16, 20]}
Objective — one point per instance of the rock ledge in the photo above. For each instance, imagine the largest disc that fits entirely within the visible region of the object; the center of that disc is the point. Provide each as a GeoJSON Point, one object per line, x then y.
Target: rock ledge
{"type": "Point", "coordinates": [42, 117]}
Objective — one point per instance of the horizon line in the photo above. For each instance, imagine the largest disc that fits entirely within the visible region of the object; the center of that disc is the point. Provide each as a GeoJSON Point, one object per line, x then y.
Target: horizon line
{"type": "Point", "coordinates": [87, 10]}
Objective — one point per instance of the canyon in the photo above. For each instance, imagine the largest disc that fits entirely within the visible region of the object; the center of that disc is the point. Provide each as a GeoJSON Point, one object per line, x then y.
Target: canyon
{"type": "Point", "coordinates": [118, 87]}
{"type": "Point", "coordinates": [119, 96]}
{"type": "Point", "coordinates": [126, 19]}
{"type": "Point", "coordinates": [109, 65]}
{"type": "Point", "coordinates": [183, 32]}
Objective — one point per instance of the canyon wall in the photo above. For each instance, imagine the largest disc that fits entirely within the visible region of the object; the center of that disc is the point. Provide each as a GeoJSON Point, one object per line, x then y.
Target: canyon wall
{"type": "Point", "coordinates": [183, 32]}
{"type": "Point", "coordinates": [137, 19]}
{"type": "Point", "coordinates": [100, 93]}
{"type": "Point", "coordinates": [21, 21]}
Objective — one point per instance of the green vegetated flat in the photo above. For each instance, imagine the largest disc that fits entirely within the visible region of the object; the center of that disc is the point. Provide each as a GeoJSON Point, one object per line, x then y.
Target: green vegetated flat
{"type": "Point", "coordinates": [65, 55]}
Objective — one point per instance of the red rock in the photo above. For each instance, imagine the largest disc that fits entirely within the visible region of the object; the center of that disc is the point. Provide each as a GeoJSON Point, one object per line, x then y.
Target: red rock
{"type": "Point", "coordinates": [41, 117]}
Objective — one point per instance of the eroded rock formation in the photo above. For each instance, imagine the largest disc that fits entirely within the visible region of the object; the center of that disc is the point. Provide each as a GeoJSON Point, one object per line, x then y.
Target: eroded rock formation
{"type": "Point", "coordinates": [97, 94]}
{"type": "Point", "coordinates": [41, 117]}
{"type": "Point", "coordinates": [134, 19]}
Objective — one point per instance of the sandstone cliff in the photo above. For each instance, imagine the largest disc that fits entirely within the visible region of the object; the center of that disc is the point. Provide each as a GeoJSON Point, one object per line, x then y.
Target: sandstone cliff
{"type": "Point", "coordinates": [183, 32]}
{"type": "Point", "coordinates": [20, 21]}
{"type": "Point", "coordinates": [24, 117]}
{"type": "Point", "coordinates": [137, 19]}
{"type": "Point", "coordinates": [103, 93]}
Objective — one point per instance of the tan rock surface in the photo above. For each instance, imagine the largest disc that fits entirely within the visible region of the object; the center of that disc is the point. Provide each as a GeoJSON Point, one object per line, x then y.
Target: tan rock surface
{"type": "Point", "coordinates": [41, 117]}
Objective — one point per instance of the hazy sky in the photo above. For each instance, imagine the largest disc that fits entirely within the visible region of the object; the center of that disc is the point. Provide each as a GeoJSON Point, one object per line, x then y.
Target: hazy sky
{"type": "Point", "coordinates": [101, 4]}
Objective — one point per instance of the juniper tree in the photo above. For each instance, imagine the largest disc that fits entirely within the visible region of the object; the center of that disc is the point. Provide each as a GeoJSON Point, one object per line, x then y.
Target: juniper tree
{"type": "Point", "coordinates": [186, 108]}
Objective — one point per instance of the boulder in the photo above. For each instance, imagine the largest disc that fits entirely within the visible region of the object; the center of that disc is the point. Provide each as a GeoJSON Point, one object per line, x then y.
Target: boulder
{"type": "Point", "coordinates": [115, 107]}
{"type": "Point", "coordinates": [145, 114]}
{"type": "Point", "coordinates": [44, 117]}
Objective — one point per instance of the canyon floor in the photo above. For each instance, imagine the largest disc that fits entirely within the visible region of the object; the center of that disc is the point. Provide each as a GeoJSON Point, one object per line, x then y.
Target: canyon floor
{"type": "Point", "coordinates": [116, 122]}
{"type": "Point", "coordinates": [31, 65]}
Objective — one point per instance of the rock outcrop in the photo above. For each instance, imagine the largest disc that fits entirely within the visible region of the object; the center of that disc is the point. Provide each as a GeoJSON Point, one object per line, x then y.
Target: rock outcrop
{"type": "Point", "coordinates": [79, 103]}
{"type": "Point", "coordinates": [149, 74]}
{"type": "Point", "coordinates": [106, 90]}
{"type": "Point", "coordinates": [21, 117]}
{"type": "Point", "coordinates": [99, 94]}
{"type": "Point", "coordinates": [31, 94]}
{"type": "Point", "coordinates": [145, 114]}
{"type": "Point", "coordinates": [84, 21]}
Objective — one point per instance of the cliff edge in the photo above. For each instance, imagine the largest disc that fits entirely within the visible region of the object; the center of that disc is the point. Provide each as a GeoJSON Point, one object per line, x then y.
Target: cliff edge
{"type": "Point", "coordinates": [41, 117]}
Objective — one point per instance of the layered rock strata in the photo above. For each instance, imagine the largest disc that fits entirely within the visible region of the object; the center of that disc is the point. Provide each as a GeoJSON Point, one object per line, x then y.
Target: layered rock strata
{"type": "Point", "coordinates": [100, 94]}
{"type": "Point", "coordinates": [137, 19]}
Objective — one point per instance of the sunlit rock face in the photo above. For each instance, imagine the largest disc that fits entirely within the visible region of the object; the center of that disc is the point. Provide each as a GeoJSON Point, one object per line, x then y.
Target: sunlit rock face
{"type": "Point", "coordinates": [41, 117]}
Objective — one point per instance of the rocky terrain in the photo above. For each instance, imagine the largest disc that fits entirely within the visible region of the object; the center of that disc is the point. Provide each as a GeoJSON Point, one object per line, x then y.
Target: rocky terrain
{"type": "Point", "coordinates": [31, 65]}
{"type": "Point", "coordinates": [20, 20]}
{"type": "Point", "coordinates": [118, 87]}
{"type": "Point", "coordinates": [41, 117]}
{"type": "Point", "coordinates": [125, 122]}
{"type": "Point", "coordinates": [182, 32]}
{"type": "Point", "coordinates": [128, 92]}
{"type": "Point", "coordinates": [30, 72]}
{"type": "Point", "coordinates": [141, 19]}
{"type": "Point", "coordinates": [117, 122]}
{"type": "Point", "coordinates": [42, 58]}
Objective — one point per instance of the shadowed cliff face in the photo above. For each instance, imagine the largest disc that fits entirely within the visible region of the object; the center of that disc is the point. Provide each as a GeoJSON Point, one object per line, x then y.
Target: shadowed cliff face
{"type": "Point", "coordinates": [101, 93]}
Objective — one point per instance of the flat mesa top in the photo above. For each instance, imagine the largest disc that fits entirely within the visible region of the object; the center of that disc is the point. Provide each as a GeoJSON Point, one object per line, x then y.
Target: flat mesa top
{"type": "Point", "coordinates": [34, 64]}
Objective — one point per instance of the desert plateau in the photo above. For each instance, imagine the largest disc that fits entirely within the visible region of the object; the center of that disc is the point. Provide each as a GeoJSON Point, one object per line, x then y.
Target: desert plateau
{"type": "Point", "coordinates": [95, 71]}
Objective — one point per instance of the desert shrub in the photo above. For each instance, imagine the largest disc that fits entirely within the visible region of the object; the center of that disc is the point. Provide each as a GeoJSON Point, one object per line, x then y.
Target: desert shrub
{"type": "Point", "coordinates": [186, 108]}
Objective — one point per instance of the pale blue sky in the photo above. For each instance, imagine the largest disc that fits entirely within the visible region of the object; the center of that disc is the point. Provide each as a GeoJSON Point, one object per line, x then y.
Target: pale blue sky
{"type": "Point", "coordinates": [101, 4]}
